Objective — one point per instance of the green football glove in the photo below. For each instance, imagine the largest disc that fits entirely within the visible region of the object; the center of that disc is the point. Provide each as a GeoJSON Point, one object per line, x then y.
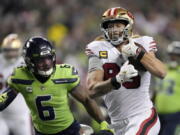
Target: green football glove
{"type": "Point", "coordinates": [105, 126]}
{"type": "Point", "coordinates": [3, 97]}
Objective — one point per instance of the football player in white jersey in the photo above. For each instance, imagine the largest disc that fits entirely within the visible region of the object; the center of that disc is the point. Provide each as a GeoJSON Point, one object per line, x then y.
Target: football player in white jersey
{"type": "Point", "coordinates": [120, 68]}
{"type": "Point", "coordinates": [16, 117]}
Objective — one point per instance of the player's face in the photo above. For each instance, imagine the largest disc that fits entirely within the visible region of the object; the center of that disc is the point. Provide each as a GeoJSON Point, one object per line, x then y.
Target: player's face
{"type": "Point", "coordinates": [44, 63]}
{"type": "Point", "coordinates": [11, 53]}
{"type": "Point", "coordinates": [115, 30]}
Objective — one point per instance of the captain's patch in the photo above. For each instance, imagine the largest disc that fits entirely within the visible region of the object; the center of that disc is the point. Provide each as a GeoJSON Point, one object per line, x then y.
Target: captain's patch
{"type": "Point", "coordinates": [103, 54]}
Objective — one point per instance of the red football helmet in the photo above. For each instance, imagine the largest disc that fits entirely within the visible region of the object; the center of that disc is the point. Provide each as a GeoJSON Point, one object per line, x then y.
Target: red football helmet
{"type": "Point", "coordinates": [117, 14]}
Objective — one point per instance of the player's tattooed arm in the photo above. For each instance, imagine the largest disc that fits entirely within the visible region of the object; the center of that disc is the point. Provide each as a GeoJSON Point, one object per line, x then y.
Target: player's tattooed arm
{"type": "Point", "coordinates": [7, 97]}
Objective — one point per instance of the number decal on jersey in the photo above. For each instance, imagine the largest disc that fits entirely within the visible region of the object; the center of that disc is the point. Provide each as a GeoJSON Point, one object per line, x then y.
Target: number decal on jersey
{"type": "Point", "coordinates": [45, 109]}
{"type": "Point", "coordinates": [74, 71]}
{"type": "Point", "coordinates": [112, 69]}
{"type": "Point", "coordinates": [65, 66]}
{"type": "Point", "coordinates": [165, 86]}
{"type": "Point", "coordinates": [170, 88]}
{"type": "Point", "coordinates": [134, 84]}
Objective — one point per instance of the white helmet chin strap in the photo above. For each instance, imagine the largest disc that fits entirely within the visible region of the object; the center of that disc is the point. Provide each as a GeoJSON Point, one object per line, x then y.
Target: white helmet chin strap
{"type": "Point", "coordinates": [46, 73]}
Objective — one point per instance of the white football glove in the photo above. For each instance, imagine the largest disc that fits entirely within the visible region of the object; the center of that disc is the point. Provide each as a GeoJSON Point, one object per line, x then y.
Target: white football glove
{"type": "Point", "coordinates": [86, 130]}
{"type": "Point", "coordinates": [126, 73]}
{"type": "Point", "coordinates": [130, 49]}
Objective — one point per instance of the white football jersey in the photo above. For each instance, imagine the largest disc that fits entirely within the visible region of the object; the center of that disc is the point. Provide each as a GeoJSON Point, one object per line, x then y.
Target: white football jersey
{"type": "Point", "coordinates": [6, 69]}
{"type": "Point", "coordinates": [133, 97]}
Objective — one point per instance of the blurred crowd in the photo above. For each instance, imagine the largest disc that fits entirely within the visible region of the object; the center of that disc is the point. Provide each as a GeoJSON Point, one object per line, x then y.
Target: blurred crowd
{"type": "Point", "coordinates": [72, 24]}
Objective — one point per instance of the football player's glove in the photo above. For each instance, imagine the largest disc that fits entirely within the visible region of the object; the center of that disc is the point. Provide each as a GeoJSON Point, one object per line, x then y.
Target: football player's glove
{"type": "Point", "coordinates": [3, 97]}
{"type": "Point", "coordinates": [126, 73]}
{"type": "Point", "coordinates": [86, 130]}
{"type": "Point", "coordinates": [130, 50]}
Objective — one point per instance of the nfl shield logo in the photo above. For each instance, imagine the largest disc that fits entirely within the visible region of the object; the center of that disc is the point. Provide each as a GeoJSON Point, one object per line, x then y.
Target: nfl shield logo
{"type": "Point", "coordinates": [43, 88]}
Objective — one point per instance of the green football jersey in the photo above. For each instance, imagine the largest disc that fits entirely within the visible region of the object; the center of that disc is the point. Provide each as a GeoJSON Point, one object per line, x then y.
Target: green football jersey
{"type": "Point", "coordinates": [167, 99]}
{"type": "Point", "coordinates": [48, 102]}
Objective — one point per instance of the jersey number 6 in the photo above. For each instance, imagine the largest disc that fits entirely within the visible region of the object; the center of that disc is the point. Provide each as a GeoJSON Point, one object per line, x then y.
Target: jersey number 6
{"type": "Point", "coordinates": [45, 112]}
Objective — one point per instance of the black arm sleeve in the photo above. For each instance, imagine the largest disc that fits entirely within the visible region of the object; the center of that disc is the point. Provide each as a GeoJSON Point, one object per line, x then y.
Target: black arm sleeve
{"type": "Point", "coordinates": [6, 98]}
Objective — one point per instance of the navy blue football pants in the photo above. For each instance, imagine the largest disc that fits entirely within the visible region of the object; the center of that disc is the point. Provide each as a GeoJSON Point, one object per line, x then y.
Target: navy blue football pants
{"type": "Point", "coordinates": [73, 129]}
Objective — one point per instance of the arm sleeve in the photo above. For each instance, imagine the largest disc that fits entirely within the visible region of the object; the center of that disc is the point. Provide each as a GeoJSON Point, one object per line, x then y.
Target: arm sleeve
{"type": "Point", "coordinates": [94, 64]}
{"type": "Point", "coordinates": [6, 98]}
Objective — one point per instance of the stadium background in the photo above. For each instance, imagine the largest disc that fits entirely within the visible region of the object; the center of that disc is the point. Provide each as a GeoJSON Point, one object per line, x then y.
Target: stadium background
{"type": "Point", "coordinates": [72, 24]}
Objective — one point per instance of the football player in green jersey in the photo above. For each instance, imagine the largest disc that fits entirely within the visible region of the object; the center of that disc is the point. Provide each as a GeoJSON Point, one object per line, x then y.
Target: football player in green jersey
{"type": "Point", "coordinates": [45, 87]}
{"type": "Point", "coordinates": [167, 96]}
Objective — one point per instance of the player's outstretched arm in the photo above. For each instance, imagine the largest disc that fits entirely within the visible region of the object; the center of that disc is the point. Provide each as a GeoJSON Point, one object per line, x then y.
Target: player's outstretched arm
{"type": "Point", "coordinates": [82, 95]}
{"type": "Point", "coordinates": [91, 106]}
{"type": "Point", "coordinates": [7, 97]}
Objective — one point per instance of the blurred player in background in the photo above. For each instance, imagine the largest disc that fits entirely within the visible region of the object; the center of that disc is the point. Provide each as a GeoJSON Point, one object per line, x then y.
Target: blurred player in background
{"type": "Point", "coordinates": [45, 86]}
{"type": "Point", "coordinates": [125, 86]}
{"type": "Point", "coordinates": [15, 118]}
{"type": "Point", "coordinates": [167, 98]}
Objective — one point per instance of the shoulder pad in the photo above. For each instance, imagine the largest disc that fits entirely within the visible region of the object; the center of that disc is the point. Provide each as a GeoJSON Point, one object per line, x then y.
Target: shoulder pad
{"type": "Point", "coordinates": [92, 49]}
{"type": "Point", "coordinates": [99, 38]}
{"type": "Point", "coordinates": [21, 66]}
{"type": "Point", "coordinates": [147, 42]}
{"type": "Point", "coordinates": [70, 67]}
{"type": "Point", "coordinates": [17, 69]}
{"type": "Point", "coordinates": [136, 36]}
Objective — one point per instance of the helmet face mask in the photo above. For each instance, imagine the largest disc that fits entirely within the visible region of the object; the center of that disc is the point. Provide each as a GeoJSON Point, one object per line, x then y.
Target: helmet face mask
{"type": "Point", "coordinates": [114, 31]}
{"type": "Point", "coordinates": [44, 65]}
{"type": "Point", "coordinates": [39, 56]}
{"type": "Point", "coordinates": [117, 15]}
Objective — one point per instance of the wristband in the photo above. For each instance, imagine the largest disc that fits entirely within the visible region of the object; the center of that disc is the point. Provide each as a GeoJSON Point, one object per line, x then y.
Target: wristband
{"type": "Point", "coordinates": [114, 83]}
{"type": "Point", "coordinates": [140, 55]}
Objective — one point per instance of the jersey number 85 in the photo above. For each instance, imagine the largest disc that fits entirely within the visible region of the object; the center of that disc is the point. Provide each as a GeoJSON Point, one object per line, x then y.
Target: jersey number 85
{"type": "Point", "coordinates": [112, 69]}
